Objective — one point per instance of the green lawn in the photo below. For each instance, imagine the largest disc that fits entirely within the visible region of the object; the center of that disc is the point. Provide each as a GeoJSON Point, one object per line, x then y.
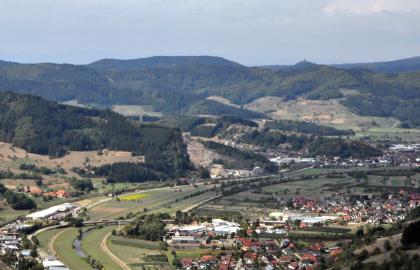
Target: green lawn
{"type": "Point", "coordinates": [132, 242]}
{"type": "Point", "coordinates": [91, 245]}
{"type": "Point", "coordinates": [63, 245]}
{"type": "Point", "coordinates": [45, 238]}
{"type": "Point", "coordinates": [406, 135]}
{"type": "Point", "coordinates": [132, 252]}
{"type": "Point", "coordinates": [9, 214]}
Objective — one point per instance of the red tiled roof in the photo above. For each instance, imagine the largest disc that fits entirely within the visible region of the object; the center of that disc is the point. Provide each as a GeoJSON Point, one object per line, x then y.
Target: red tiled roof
{"type": "Point", "coordinates": [207, 258]}
{"type": "Point", "coordinates": [250, 255]}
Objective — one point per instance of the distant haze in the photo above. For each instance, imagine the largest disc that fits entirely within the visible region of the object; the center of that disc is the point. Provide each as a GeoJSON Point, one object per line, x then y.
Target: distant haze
{"type": "Point", "coordinates": [251, 32]}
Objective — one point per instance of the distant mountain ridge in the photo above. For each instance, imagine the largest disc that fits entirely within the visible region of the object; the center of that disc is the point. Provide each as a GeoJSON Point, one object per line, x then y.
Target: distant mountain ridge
{"type": "Point", "coordinates": [6, 63]}
{"type": "Point", "coordinates": [177, 84]}
{"type": "Point", "coordinates": [402, 65]}
{"type": "Point", "coordinates": [298, 66]}
{"type": "Point", "coordinates": [159, 62]}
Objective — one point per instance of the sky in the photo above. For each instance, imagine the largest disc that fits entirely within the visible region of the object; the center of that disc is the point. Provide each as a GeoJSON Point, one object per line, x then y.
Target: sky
{"type": "Point", "coordinates": [251, 32]}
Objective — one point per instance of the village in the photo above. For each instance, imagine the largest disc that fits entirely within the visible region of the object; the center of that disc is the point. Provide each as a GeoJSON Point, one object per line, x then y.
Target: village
{"type": "Point", "coordinates": [268, 239]}
{"type": "Point", "coordinates": [269, 242]}
{"type": "Point", "coordinates": [244, 248]}
{"type": "Point", "coordinates": [17, 237]}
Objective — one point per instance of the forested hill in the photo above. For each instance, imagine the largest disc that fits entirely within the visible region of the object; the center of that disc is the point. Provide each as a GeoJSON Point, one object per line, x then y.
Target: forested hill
{"type": "Point", "coordinates": [45, 127]}
{"type": "Point", "coordinates": [396, 66]}
{"type": "Point", "coordinates": [402, 65]}
{"type": "Point", "coordinates": [6, 63]}
{"type": "Point", "coordinates": [159, 62]}
{"type": "Point", "coordinates": [177, 84]}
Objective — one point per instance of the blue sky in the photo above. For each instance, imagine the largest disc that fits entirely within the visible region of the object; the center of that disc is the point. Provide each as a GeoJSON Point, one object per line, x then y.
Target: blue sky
{"type": "Point", "coordinates": [252, 32]}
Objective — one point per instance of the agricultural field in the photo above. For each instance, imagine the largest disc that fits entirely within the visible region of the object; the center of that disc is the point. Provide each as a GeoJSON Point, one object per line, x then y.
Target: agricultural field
{"type": "Point", "coordinates": [137, 253]}
{"type": "Point", "coordinates": [114, 208]}
{"type": "Point", "coordinates": [332, 113]}
{"type": "Point", "coordinates": [167, 199]}
{"type": "Point", "coordinates": [392, 134]}
{"type": "Point", "coordinates": [324, 112]}
{"type": "Point", "coordinates": [134, 197]}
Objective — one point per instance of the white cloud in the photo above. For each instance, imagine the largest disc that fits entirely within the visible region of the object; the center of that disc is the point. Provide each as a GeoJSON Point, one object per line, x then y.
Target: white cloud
{"type": "Point", "coordinates": [368, 7]}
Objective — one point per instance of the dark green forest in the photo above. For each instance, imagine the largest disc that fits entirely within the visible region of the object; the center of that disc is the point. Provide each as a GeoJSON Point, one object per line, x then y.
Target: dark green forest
{"type": "Point", "coordinates": [17, 201]}
{"type": "Point", "coordinates": [45, 127]}
{"type": "Point", "coordinates": [180, 85]}
{"type": "Point", "coordinates": [314, 145]}
{"type": "Point", "coordinates": [239, 159]}
{"type": "Point", "coordinates": [305, 127]}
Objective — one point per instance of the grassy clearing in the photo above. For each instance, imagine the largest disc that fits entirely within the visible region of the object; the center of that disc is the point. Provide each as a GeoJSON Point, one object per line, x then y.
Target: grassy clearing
{"type": "Point", "coordinates": [132, 255]}
{"type": "Point", "coordinates": [9, 214]}
{"type": "Point", "coordinates": [390, 133]}
{"type": "Point", "coordinates": [131, 242]}
{"type": "Point", "coordinates": [137, 253]}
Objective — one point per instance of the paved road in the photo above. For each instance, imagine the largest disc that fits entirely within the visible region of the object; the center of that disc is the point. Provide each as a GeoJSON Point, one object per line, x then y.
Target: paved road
{"type": "Point", "coordinates": [64, 224]}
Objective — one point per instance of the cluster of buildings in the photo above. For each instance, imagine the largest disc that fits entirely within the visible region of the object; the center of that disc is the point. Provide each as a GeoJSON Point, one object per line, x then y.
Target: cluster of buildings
{"type": "Point", "coordinates": [404, 155]}
{"type": "Point", "coordinates": [347, 208]}
{"type": "Point", "coordinates": [12, 242]}
{"type": "Point", "coordinates": [218, 171]}
{"type": "Point", "coordinates": [10, 234]}
{"type": "Point", "coordinates": [227, 247]}
{"type": "Point", "coordinates": [405, 147]}
{"type": "Point", "coordinates": [52, 263]}
{"type": "Point", "coordinates": [36, 191]}
{"type": "Point", "coordinates": [290, 160]}
{"type": "Point", "coordinates": [251, 253]}
{"type": "Point", "coordinates": [195, 235]}
{"type": "Point", "coordinates": [57, 212]}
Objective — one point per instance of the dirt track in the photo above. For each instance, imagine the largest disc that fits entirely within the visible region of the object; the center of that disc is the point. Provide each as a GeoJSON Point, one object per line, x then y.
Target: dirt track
{"type": "Point", "coordinates": [106, 250]}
